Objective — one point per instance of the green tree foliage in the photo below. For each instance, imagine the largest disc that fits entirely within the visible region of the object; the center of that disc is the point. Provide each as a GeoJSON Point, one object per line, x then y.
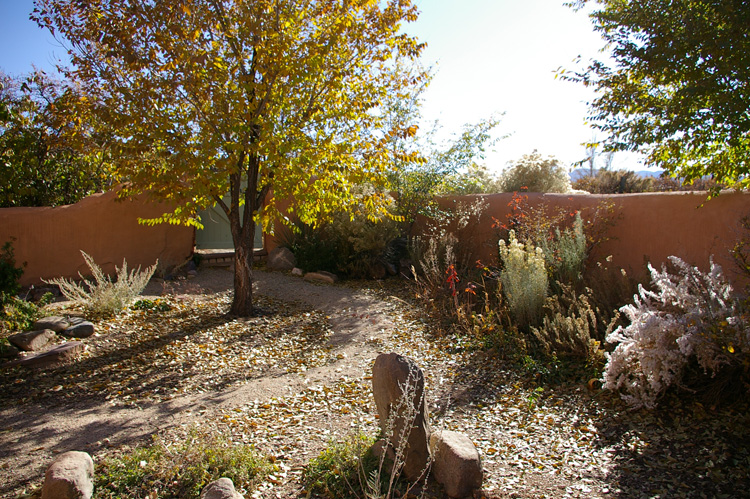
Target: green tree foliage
{"type": "Point", "coordinates": [678, 85]}
{"type": "Point", "coordinates": [535, 174]}
{"type": "Point", "coordinates": [447, 168]}
{"type": "Point", "coordinates": [48, 155]}
{"type": "Point", "coordinates": [207, 97]}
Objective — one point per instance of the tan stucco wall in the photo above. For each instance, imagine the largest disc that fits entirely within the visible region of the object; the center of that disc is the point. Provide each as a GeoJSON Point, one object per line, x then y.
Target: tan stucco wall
{"type": "Point", "coordinates": [651, 226]}
{"type": "Point", "coordinates": [50, 240]}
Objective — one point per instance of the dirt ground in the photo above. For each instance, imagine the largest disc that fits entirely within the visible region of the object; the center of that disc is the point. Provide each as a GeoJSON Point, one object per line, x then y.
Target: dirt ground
{"type": "Point", "coordinates": [291, 392]}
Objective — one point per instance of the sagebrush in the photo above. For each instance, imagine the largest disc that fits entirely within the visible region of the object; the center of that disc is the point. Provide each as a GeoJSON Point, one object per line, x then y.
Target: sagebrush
{"type": "Point", "coordinates": [104, 296]}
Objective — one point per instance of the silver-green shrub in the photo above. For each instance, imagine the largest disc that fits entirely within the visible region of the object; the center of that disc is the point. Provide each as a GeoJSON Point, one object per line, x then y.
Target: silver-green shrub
{"type": "Point", "coordinates": [524, 280]}
{"type": "Point", "coordinates": [565, 254]}
{"type": "Point", "coordinates": [103, 296]}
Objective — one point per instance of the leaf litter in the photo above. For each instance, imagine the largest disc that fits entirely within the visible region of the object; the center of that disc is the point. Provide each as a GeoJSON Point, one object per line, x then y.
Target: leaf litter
{"type": "Point", "coordinates": [536, 440]}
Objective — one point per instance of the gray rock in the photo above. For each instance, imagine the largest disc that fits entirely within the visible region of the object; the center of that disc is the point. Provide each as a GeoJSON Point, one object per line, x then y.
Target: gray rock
{"type": "Point", "coordinates": [79, 329]}
{"type": "Point", "coordinates": [281, 259]}
{"type": "Point", "coordinates": [321, 276]}
{"type": "Point", "coordinates": [398, 387]}
{"type": "Point", "coordinates": [32, 341]}
{"type": "Point", "coordinates": [456, 463]}
{"type": "Point", "coordinates": [223, 488]}
{"type": "Point", "coordinates": [56, 355]}
{"type": "Point", "coordinates": [297, 271]}
{"type": "Point", "coordinates": [70, 476]}
{"type": "Point", "coordinates": [55, 323]}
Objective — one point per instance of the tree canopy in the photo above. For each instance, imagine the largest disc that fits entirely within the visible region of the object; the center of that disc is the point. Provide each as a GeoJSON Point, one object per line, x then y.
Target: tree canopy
{"type": "Point", "coordinates": [48, 154]}
{"type": "Point", "coordinates": [206, 97]}
{"type": "Point", "coordinates": [678, 85]}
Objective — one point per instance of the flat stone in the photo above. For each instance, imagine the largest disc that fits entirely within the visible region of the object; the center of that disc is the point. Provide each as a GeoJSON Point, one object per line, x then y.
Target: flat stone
{"type": "Point", "coordinates": [54, 322]}
{"type": "Point", "coordinates": [456, 463]}
{"type": "Point", "coordinates": [57, 355]}
{"type": "Point", "coordinates": [223, 488]}
{"type": "Point", "coordinates": [79, 329]}
{"type": "Point", "coordinates": [32, 341]}
{"type": "Point", "coordinates": [70, 476]}
{"type": "Point", "coordinates": [321, 276]}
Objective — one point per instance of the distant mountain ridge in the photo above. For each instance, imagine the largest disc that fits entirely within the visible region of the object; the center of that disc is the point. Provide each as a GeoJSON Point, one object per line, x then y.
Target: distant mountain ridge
{"type": "Point", "coordinates": [582, 172]}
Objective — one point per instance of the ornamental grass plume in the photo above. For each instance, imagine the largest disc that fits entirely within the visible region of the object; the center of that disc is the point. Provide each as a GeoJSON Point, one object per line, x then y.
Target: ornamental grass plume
{"type": "Point", "coordinates": [524, 280]}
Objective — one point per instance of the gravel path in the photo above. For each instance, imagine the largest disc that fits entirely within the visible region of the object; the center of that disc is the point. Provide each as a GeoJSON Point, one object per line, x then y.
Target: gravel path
{"type": "Point", "coordinates": [31, 434]}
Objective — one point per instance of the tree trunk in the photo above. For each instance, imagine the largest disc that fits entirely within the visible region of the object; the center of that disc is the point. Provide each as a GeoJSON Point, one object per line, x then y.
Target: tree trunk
{"type": "Point", "coordinates": [242, 303]}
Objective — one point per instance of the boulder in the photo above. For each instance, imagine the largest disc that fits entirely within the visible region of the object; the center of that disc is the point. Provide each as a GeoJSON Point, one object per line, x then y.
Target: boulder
{"type": "Point", "coordinates": [398, 387]}
{"type": "Point", "coordinates": [56, 355]}
{"type": "Point", "coordinates": [55, 323]}
{"type": "Point", "coordinates": [321, 276]}
{"type": "Point", "coordinates": [280, 259]}
{"type": "Point", "coordinates": [31, 341]}
{"type": "Point", "coordinates": [456, 463]}
{"type": "Point", "coordinates": [223, 488]}
{"type": "Point", "coordinates": [70, 476]}
{"type": "Point", "coordinates": [78, 328]}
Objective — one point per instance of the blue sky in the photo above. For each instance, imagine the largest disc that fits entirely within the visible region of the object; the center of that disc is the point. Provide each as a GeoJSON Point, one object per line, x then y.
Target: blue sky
{"type": "Point", "coordinates": [490, 56]}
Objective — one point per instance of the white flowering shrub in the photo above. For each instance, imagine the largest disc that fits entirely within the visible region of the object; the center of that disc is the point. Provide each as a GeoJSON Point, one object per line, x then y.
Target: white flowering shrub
{"type": "Point", "coordinates": [690, 315]}
{"type": "Point", "coordinates": [524, 279]}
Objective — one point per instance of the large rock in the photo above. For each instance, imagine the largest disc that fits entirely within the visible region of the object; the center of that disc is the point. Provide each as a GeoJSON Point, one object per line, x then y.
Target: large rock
{"type": "Point", "coordinates": [398, 387]}
{"type": "Point", "coordinates": [57, 355]}
{"type": "Point", "coordinates": [223, 488]}
{"type": "Point", "coordinates": [55, 323]}
{"type": "Point", "coordinates": [281, 259]}
{"type": "Point", "coordinates": [31, 341]}
{"type": "Point", "coordinates": [70, 476]}
{"type": "Point", "coordinates": [456, 463]}
{"type": "Point", "coordinates": [79, 328]}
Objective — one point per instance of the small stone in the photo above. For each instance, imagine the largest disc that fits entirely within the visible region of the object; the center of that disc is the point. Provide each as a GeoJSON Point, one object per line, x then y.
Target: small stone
{"type": "Point", "coordinates": [31, 341]}
{"type": "Point", "coordinates": [456, 463]}
{"type": "Point", "coordinates": [8, 351]}
{"type": "Point", "coordinates": [280, 259]}
{"type": "Point", "coordinates": [378, 271]}
{"type": "Point", "coordinates": [223, 488]}
{"type": "Point", "coordinates": [54, 322]}
{"type": "Point", "coordinates": [70, 476]}
{"type": "Point", "coordinates": [321, 276]}
{"type": "Point", "coordinates": [297, 271]}
{"type": "Point", "coordinates": [80, 329]}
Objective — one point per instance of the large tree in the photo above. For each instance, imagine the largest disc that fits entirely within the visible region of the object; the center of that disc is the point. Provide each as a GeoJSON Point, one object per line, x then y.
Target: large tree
{"type": "Point", "coordinates": [678, 84]}
{"type": "Point", "coordinates": [242, 96]}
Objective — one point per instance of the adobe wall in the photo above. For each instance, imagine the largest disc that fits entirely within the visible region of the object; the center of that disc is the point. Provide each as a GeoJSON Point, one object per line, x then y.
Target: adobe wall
{"type": "Point", "coordinates": [650, 227]}
{"type": "Point", "coordinates": [50, 240]}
